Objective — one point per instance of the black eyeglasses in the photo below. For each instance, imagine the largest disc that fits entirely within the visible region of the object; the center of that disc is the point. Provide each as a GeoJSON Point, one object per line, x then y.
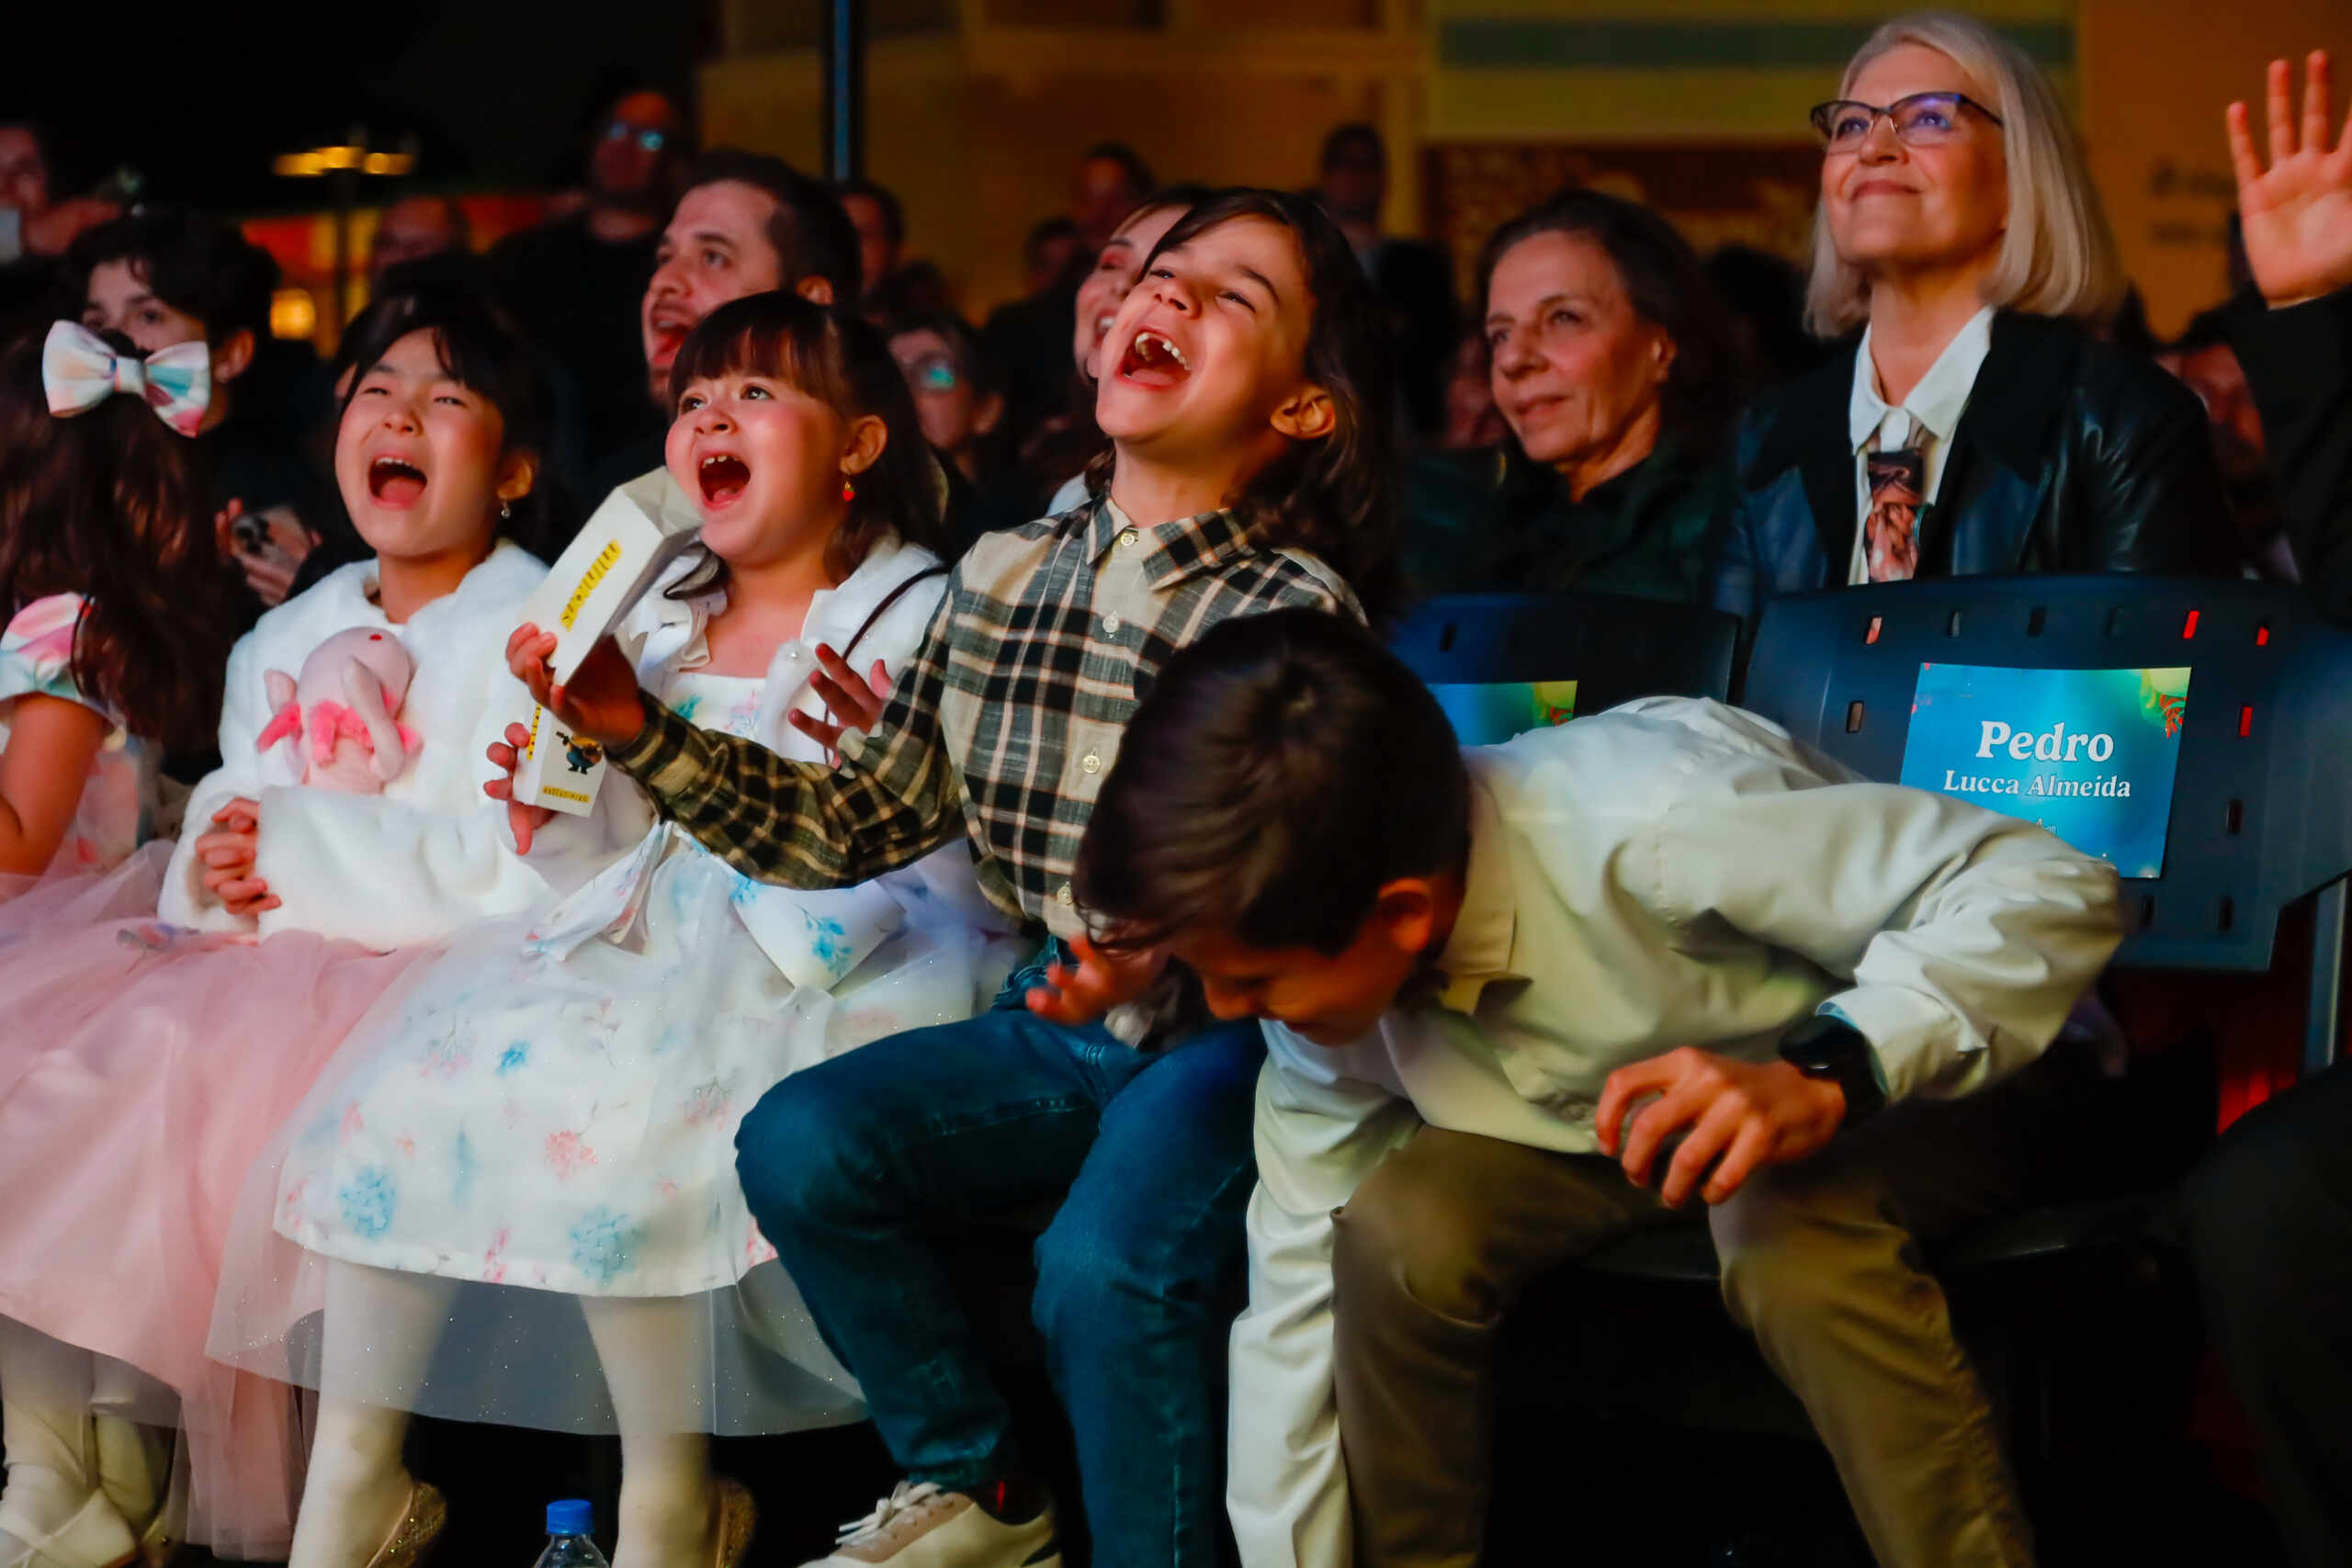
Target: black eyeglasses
{"type": "Point", "coordinates": [1923, 119]}
{"type": "Point", "coordinates": [622, 131]}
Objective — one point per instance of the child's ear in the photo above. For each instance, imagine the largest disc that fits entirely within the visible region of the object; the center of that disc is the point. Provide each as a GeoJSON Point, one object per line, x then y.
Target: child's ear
{"type": "Point", "coordinates": [816, 290]}
{"type": "Point", "coordinates": [518, 472]}
{"type": "Point", "coordinates": [867, 437]}
{"type": "Point", "coordinates": [1307, 414]}
{"type": "Point", "coordinates": [1407, 911]}
{"type": "Point", "coordinates": [232, 355]}
{"type": "Point", "coordinates": [987, 413]}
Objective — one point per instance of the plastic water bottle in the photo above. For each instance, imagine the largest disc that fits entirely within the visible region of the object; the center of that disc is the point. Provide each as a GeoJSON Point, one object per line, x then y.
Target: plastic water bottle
{"type": "Point", "coordinates": [568, 1542]}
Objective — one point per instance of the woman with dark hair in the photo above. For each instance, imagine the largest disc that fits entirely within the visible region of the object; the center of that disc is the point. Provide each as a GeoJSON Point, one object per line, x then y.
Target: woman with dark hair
{"type": "Point", "coordinates": [1611, 361]}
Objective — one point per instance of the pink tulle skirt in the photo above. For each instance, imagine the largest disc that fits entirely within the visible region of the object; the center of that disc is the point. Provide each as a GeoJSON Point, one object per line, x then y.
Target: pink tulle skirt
{"type": "Point", "coordinates": [143, 1068]}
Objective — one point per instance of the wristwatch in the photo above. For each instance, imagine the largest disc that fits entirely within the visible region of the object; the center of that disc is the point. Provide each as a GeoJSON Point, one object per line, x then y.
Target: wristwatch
{"type": "Point", "coordinates": [1825, 1046]}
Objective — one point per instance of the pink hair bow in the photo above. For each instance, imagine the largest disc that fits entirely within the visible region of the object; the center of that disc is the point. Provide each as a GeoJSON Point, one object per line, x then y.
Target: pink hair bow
{"type": "Point", "coordinates": [79, 371]}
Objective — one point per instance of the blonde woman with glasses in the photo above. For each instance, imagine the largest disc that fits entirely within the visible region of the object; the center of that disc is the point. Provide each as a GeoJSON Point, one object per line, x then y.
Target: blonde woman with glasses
{"type": "Point", "coordinates": [1959, 232]}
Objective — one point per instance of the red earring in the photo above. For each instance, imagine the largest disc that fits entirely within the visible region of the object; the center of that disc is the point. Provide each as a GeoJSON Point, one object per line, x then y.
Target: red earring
{"type": "Point", "coordinates": [849, 490]}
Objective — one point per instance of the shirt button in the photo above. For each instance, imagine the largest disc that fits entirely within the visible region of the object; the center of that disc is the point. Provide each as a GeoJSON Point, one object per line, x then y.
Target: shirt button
{"type": "Point", "coordinates": [1062, 896]}
{"type": "Point", "coordinates": [1091, 762]}
{"type": "Point", "coordinates": [1111, 624]}
{"type": "Point", "coordinates": [1128, 539]}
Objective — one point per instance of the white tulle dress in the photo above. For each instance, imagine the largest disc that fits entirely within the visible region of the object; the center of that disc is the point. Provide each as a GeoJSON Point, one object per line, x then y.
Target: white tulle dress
{"type": "Point", "coordinates": [548, 1115]}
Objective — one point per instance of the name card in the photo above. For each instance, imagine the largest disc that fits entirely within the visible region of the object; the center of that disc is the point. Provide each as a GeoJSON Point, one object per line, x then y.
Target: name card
{"type": "Point", "coordinates": [2089, 754]}
{"type": "Point", "coordinates": [1490, 713]}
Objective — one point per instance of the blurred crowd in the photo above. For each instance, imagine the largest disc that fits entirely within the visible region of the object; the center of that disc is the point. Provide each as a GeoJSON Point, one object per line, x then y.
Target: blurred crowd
{"type": "Point", "coordinates": [1956, 380]}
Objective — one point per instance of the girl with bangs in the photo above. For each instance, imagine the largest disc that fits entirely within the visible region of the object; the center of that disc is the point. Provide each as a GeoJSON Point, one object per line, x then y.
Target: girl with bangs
{"type": "Point", "coordinates": [159, 1036]}
{"type": "Point", "coordinates": [525, 1165]}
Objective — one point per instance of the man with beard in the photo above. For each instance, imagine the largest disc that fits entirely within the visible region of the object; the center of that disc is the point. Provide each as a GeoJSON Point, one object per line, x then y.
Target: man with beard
{"type": "Point", "coordinates": [745, 223]}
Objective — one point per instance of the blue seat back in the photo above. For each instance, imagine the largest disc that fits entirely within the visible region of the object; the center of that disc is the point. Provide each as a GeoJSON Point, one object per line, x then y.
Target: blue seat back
{"type": "Point", "coordinates": [2262, 801]}
{"type": "Point", "coordinates": [1614, 648]}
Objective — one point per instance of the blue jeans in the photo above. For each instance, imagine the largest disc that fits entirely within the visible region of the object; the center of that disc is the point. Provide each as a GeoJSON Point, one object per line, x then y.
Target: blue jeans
{"type": "Point", "coordinates": [848, 1165]}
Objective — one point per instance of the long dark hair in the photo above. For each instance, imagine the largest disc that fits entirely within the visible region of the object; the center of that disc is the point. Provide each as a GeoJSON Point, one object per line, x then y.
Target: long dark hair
{"type": "Point", "coordinates": [1667, 288]}
{"type": "Point", "coordinates": [111, 504]}
{"type": "Point", "coordinates": [841, 360]}
{"type": "Point", "coordinates": [1336, 496]}
{"type": "Point", "coordinates": [481, 349]}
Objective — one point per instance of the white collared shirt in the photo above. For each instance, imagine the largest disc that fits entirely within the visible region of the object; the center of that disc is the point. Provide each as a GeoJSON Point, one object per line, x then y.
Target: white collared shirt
{"type": "Point", "coordinates": [1925, 420]}
{"type": "Point", "coordinates": [1671, 873]}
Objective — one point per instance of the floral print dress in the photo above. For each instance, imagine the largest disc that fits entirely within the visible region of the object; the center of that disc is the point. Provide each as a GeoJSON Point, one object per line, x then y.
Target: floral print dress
{"type": "Point", "coordinates": [551, 1113]}
{"type": "Point", "coordinates": [561, 1115]}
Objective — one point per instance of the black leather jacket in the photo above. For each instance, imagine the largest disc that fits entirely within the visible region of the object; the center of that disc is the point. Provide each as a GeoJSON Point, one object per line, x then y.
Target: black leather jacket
{"type": "Point", "coordinates": [2072, 456]}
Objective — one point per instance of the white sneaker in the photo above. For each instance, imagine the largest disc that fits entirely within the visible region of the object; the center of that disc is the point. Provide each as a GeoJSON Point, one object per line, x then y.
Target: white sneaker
{"type": "Point", "coordinates": [922, 1527]}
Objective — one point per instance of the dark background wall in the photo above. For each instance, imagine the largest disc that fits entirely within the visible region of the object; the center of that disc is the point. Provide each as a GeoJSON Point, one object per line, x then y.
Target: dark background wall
{"type": "Point", "coordinates": [200, 96]}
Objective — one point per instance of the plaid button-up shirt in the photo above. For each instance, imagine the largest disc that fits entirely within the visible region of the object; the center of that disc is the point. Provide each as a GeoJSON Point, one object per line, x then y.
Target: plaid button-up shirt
{"type": "Point", "coordinates": [1006, 723]}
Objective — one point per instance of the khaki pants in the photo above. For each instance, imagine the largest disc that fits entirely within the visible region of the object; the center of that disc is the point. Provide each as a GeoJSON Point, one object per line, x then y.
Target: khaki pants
{"type": "Point", "coordinates": [1820, 1262]}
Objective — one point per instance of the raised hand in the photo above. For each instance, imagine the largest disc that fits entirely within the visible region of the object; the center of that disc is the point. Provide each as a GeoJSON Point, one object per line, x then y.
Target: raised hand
{"type": "Point", "coordinates": [507, 756]}
{"type": "Point", "coordinates": [849, 703]}
{"type": "Point", "coordinates": [601, 700]}
{"type": "Point", "coordinates": [2297, 215]}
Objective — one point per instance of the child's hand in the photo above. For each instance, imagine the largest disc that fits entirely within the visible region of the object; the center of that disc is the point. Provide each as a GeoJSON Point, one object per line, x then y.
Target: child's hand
{"type": "Point", "coordinates": [1101, 982]}
{"type": "Point", "coordinates": [227, 856]}
{"type": "Point", "coordinates": [507, 756]}
{"type": "Point", "coordinates": [600, 701]}
{"type": "Point", "coordinates": [1708, 1107]}
{"type": "Point", "coordinates": [849, 703]}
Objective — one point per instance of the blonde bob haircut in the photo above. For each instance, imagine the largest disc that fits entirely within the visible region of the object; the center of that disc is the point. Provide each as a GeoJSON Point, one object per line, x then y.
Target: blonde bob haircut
{"type": "Point", "coordinates": [2058, 257]}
